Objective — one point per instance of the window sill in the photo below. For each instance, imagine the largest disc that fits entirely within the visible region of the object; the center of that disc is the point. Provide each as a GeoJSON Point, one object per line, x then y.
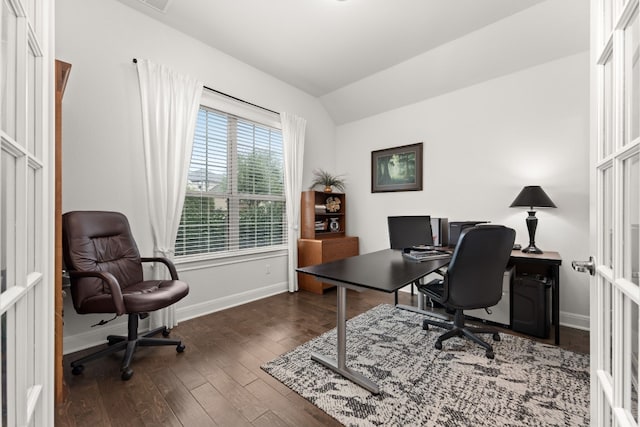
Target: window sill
{"type": "Point", "coordinates": [213, 259]}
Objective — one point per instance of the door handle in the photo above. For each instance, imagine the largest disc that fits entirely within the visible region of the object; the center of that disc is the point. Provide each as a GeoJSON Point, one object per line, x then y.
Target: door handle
{"type": "Point", "coordinates": [585, 266]}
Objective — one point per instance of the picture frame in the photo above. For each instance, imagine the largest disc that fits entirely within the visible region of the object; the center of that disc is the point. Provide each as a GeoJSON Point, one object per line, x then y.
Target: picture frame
{"type": "Point", "coordinates": [397, 169]}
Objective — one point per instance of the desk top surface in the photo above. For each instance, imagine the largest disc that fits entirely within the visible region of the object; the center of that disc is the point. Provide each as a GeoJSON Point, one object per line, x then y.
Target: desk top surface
{"type": "Point", "coordinates": [386, 270]}
{"type": "Point", "coordinates": [547, 257]}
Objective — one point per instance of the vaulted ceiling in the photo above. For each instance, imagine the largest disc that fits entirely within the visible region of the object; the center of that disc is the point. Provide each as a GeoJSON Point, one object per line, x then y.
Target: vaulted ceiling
{"type": "Point", "coordinates": [402, 50]}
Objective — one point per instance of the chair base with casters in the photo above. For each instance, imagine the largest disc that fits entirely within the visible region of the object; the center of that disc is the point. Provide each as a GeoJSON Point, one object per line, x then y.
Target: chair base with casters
{"type": "Point", "coordinates": [129, 344]}
{"type": "Point", "coordinates": [458, 329]}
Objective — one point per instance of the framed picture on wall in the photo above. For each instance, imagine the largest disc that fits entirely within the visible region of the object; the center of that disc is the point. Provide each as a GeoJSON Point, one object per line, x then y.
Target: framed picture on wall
{"type": "Point", "coordinates": [397, 169]}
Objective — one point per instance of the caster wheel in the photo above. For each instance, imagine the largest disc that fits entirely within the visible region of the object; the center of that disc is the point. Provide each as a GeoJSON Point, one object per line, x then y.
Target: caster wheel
{"type": "Point", "coordinates": [496, 337]}
{"type": "Point", "coordinates": [180, 348]}
{"type": "Point", "coordinates": [126, 374]}
{"type": "Point", "coordinates": [425, 326]}
{"type": "Point", "coordinates": [438, 345]}
{"type": "Point", "coordinates": [77, 370]}
{"type": "Point", "coordinates": [490, 355]}
{"type": "Point", "coordinates": [165, 332]}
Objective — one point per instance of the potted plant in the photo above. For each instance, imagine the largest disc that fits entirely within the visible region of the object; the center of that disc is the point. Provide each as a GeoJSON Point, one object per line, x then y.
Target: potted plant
{"type": "Point", "coordinates": [327, 180]}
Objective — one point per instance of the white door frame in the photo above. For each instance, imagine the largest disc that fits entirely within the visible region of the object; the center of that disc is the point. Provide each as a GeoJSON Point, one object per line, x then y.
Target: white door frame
{"type": "Point", "coordinates": [615, 211]}
{"type": "Point", "coordinates": [26, 212]}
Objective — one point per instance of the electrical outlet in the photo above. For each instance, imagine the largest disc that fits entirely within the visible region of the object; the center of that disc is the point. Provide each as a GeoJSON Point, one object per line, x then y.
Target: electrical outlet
{"type": "Point", "coordinates": [267, 269]}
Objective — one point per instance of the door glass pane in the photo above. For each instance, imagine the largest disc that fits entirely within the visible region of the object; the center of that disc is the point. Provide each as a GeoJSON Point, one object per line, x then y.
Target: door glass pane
{"type": "Point", "coordinates": [8, 58]}
{"type": "Point", "coordinates": [631, 217]}
{"type": "Point", "coordinates": [30, 337]}
{"type": "Point", "coordinates": [607, 19]}
{"type": "Point", "coordinates": [632, 79]}
{"type": "Point", "coordinates": [607, 215]}
{"type": "Point", "coordinates": [607, 123]}
{"type": "Point", "coordinates": [31, 104]}
{"type": "Point", "coordinates": [32, 208]}
{"type": "Point", "coordinates": [607, 333]}
{"type": "Point", "coordinates": [3, 352]}
{"type": "Point", "coordinates": [631, 357]}
{"type": "Point", "coordinates": [7, 218]}
{"type": "Point", "coordinates": [8, 325]}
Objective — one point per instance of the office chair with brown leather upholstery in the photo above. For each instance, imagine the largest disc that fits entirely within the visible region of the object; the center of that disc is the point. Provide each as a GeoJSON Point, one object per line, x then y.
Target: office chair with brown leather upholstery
{"type": "Point", "coordinates": [105, 269]}
{"type": "Point", "coordinates": [473, 280]}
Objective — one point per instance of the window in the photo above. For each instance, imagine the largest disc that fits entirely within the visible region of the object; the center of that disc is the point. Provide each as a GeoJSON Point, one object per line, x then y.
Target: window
{"type": "Point", "coordinates": [235, 187]}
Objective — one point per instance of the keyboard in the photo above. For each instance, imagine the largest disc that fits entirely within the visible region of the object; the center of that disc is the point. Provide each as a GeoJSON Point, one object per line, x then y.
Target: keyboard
{"type": "Point", "coordinates": [425, 255]}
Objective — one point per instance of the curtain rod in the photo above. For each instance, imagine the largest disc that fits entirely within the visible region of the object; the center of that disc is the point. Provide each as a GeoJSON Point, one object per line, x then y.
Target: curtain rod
{"type": "Point", "coordinates": [135, 61]}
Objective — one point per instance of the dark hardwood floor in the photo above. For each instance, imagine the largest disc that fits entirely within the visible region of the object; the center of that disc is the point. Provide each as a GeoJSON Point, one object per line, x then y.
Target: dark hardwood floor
{"type": "Point", "coordinates": [218, 380]}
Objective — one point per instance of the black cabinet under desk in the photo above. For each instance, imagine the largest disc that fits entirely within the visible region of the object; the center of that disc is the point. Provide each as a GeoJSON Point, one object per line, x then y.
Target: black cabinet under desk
{"type": "Point", "coordinates": [535, 276]}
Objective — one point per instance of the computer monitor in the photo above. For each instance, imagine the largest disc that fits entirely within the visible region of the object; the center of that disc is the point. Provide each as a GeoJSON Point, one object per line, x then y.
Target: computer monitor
{"type": "Point", "coordinates": [457, 227]}
{"type": "Point", "coordinates": [410, 231]}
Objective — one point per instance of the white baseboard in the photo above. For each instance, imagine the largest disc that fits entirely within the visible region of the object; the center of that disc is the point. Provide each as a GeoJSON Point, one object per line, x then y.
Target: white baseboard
{"type": "Point", "coordinates": [98, 336]}
{"type": "Point", "coordinates": [95, 337]}
{"type": "Point", "coordinates": [573, 320]}
{"type": "Point", "coordinates": [208, 307]}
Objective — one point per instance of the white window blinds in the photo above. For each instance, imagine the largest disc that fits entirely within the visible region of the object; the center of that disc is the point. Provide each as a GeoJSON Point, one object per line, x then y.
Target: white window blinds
{"type": "Point", "coordinates": [235, 188]}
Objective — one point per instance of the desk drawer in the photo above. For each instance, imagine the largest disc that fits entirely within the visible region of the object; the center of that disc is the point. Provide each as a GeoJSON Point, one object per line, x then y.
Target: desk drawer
{"type": "Point", "coordinates": [334, 249]}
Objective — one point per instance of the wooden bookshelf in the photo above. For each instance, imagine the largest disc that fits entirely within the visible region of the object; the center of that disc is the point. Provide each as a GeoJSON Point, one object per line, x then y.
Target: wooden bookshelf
{"type": "Point", "coordinates": [320, 242]}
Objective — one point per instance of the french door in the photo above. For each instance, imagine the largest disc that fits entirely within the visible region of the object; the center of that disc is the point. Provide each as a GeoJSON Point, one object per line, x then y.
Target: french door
{"type": "Point", "coordinates": [615, 195]}
{"type": "Point", "coordinates": [26, 224]}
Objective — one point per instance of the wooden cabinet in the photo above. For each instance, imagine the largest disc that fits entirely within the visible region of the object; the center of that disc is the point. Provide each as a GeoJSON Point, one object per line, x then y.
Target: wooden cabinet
{"type": "Point", "coordinates": [317, 251]}
{"type": "Point", "coordinates": [323, 234]}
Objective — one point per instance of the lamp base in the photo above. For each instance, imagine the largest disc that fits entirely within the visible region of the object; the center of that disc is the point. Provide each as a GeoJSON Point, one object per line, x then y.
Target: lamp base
{"type": "Point", "coordinates": [531, 249]}
{"type": "Point", "coordinates": [532, 224]}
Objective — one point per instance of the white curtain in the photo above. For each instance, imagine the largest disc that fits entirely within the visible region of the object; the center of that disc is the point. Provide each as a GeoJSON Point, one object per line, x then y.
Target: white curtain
{"type": "Point", "coordinates": [293, 128]}
{"type": "Point", "coordinates": [170, 103]}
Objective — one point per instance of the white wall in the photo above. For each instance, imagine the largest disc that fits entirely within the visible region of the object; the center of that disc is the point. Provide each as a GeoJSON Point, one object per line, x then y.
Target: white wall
{"type": "Point", "coordinates": [102, 149]}
{"type": "Point", "coordinates": [482, 144]}
{"type": "Point", "coordinates": [544, 32]}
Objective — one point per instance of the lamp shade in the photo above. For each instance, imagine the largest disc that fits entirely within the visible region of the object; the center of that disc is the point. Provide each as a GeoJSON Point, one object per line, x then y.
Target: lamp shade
{"type": "Point", "coordinates": [533, 196]}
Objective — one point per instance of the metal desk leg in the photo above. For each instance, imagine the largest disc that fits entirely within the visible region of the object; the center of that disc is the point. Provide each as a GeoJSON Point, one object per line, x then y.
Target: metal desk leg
{"type": "Point", "coordinates": [340, 366]}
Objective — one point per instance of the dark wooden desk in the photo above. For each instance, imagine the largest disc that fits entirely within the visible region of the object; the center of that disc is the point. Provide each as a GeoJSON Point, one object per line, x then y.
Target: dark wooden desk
{"type": "Point", "coordinates": [385, 271]}
{"type": "Point", "coordinates": [547, 264]}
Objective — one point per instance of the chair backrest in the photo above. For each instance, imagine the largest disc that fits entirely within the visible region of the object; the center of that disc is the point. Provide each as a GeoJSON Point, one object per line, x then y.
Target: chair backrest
{"type": "Point", "coordinates": [476, 271]}
{"type": "Point", "coordinates": [99, 241]}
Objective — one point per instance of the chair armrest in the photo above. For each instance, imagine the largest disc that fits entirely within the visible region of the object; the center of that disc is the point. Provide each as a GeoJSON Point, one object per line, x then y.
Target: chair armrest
{"type": "Point", "coordinates": [111, 281]}
{"type": "Point", "coordinates": [442, 271]}
{"type": "Point", "coordinates": [166, 261]}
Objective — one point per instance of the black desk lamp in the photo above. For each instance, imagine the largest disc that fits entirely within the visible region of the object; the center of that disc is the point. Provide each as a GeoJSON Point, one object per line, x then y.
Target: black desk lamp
{"type": "Point", "coordinates": [532, 196]}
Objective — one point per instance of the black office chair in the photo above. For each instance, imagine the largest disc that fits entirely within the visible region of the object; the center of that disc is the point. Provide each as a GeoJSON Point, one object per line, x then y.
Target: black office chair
{"type": "Point", "coordinates": [105, 269]}
{"type": "Point", "coordinates": [473, 280]}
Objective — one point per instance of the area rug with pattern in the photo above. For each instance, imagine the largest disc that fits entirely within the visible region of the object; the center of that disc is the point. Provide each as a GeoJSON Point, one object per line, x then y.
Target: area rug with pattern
{"type": "Point", "coordinates": [527, 384]}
